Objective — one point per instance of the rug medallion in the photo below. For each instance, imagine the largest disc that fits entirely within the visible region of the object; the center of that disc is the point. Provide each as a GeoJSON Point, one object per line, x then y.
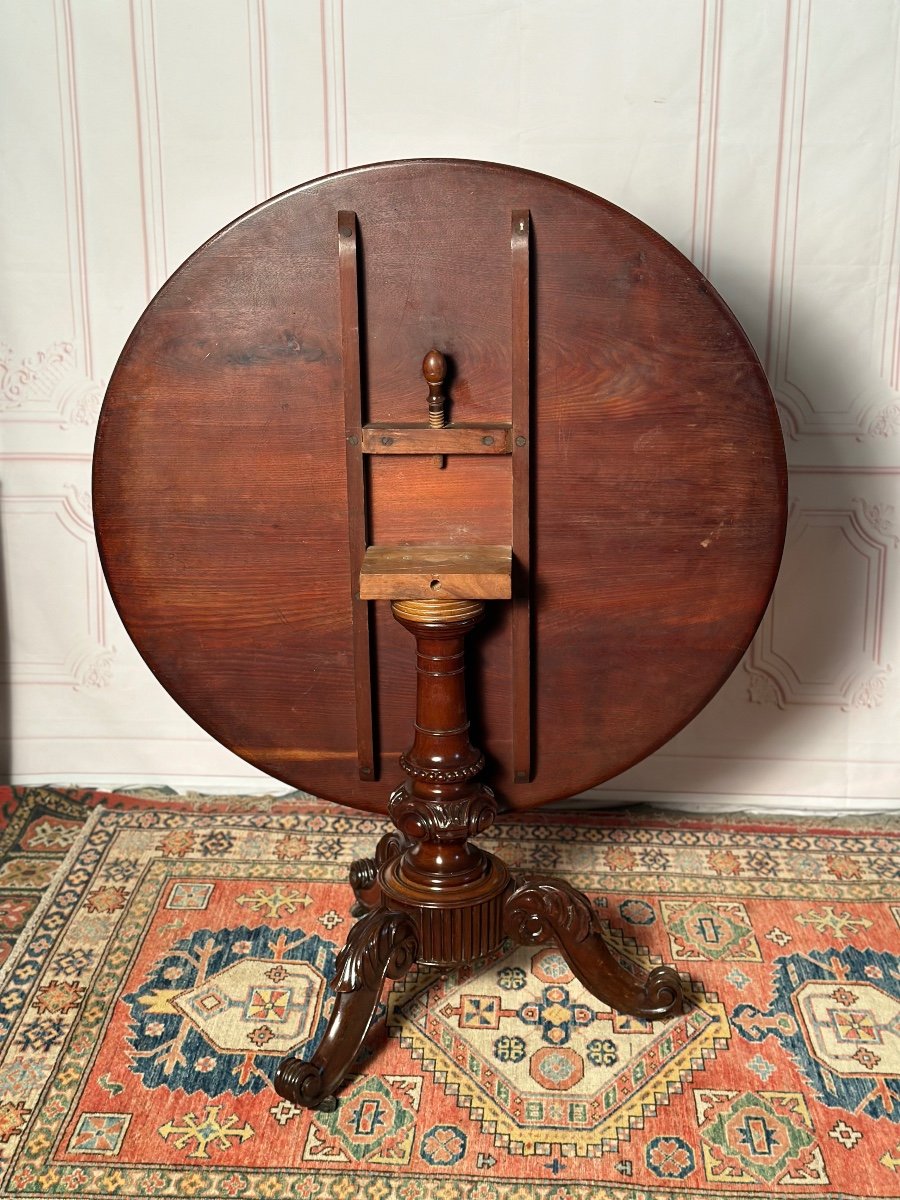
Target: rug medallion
{"type": "Point", "coordinates": [182, 949]}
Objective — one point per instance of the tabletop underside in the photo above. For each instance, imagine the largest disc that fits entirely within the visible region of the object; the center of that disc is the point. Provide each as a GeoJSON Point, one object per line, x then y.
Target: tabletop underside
{"type": "Point", "coordinates": [657, 475]}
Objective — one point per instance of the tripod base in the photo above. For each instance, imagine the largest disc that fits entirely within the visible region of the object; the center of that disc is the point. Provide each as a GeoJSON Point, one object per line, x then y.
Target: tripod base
{"type": "Point", "coordinates": [430, 896]}
{"type": "Point", "coordinates": [386, 942]}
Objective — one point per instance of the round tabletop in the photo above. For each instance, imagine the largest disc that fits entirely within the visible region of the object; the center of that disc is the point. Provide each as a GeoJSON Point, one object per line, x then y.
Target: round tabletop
{"type": "Point", "coordinates": [658, 485]}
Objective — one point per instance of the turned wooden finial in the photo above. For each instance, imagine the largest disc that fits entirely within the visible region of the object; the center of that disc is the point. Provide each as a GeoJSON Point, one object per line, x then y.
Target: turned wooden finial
{"type": "Point", "coordinates": [434, 368]}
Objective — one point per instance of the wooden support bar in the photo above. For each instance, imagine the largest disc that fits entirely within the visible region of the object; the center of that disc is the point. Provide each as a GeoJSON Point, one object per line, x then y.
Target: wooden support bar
{"type": "Point", "coordinates": [356, 488]}
{"type": "Point", "coordinates": [422, 439]}
{"type": "Point", "coordinates": [520, 243]}
{"type": "Point", "coordinates": [436, 573]}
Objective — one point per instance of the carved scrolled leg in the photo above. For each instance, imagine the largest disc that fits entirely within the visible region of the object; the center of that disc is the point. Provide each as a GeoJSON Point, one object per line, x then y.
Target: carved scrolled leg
{"type": "Point", "coordinates": [382, 945]}
{"type": "Point", "coordinates": [364, 872]}
{"type": "Point", "coordinates": [549, 910]}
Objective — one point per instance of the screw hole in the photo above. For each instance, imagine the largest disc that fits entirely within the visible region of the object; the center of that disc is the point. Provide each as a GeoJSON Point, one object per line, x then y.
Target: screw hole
{"type": "Point", "coordinates": [435, 584]}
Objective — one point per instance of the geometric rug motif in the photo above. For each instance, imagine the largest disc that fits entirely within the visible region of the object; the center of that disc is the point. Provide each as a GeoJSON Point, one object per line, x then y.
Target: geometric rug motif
{"type": "Point", "coordinates": [837, 1012]}
{"type": "Point", "coordinates": [541, 1064]}
{"type": "Point", "coordinates": [181, 946]}
{"type": "Point", "coordinates": [710, 930]}
{"type": "Point", "coordinates": [759, 1137]}
{"type": "Point", "coordinates": [221, 1008]}
{"type": "Point", "coordinates": [375, 1123]}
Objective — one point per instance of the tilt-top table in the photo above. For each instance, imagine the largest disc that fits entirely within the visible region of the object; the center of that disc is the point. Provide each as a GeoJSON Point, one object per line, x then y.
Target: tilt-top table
{"type": "Point", "coordinates": [421, 397]}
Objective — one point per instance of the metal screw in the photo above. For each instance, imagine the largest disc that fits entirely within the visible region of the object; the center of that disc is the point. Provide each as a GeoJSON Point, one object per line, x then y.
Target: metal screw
{"type": "Point", "coordinates": [487, 441]}
{"type": "Point", "coordinates": [387, 441]}
{"type": "Point", "coordinates": [353, 439]}
{"type": "Point", "coordinates": [520, 441]}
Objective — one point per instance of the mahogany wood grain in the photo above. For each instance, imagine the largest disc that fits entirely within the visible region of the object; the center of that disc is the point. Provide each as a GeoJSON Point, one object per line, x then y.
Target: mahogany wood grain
{"type": "Point", "coordinates": [221, 474]}
{"type": "Point", "coordinates": [450, 439]}
{"type": "Point", "coordinates": [550, 910]}
{"type": "Point", "coordinates": [357, 523]}
{"type": "Point", "coordinates": [382, 945]}
{"type": "Point", "coordinates": [520, 349]}
{"type": "Point", "coordinates": [429, 572]}
{"type": "Point", "coordinates": [431, 894]}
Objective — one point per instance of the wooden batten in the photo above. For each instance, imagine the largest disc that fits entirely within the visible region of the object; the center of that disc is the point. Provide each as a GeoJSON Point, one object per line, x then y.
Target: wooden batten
{"type": "Point", "coordinates": [436, 572]}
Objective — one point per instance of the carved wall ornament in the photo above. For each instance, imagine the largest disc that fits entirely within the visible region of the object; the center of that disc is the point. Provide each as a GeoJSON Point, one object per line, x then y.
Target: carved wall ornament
{"type": "Point", "coordinates": [762, 689]}
{"type": "Point", "coordinates": [93, 670]}
{"type": "Point", "coordinates": [887, 423]}
{"type": "Point", "coordinates": [48, 386]}
{"type": "Point", "coordinates": [871, 692]}
{"type": "Point", "coordinates": [880, 517]}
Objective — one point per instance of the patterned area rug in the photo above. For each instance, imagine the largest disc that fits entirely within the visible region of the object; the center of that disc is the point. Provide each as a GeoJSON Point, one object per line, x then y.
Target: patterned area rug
{"type": "Point", "coordinates": [37, 829]}
{"type": "Point", "coordinates": [182, 947]}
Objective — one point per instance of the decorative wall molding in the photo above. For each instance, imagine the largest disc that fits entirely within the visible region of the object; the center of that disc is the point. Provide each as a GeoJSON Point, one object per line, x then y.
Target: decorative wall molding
{"type": "Point", "coordinates": [822, 591]}
{"type": "Point", "coordinates": [795, 404]}
{"type": "Point", "coordinates": [148, 138]}
{"type": "Point", "coordinates": [867, 409]}
{"type": "Point", "coordinates": [334, 83]}
{"type": "Point", "coordinates": [261, 136]}
{"type": "Point", "coordinates": [890, 349]}
{"type": "Point", "coordinates": [707, 133]}
{"type": "Point", "coordinates": [47, 388]}
{"type": "Point", "coordinates": [881, 518]}
{"type": "Point", "coordinates": [118, 173]}
{"type": "Point", "coordinates": [79, 654]}
{"type": "Point", "coordinates": [74, 183]}
{"type": "Point", "coordinates": [887, 422]}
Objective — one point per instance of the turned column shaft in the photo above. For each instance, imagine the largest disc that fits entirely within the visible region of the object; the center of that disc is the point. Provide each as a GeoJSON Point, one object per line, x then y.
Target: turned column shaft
{"type": "Point", "coordinates": [442, 762]}
{"type": "Point", "coordinates": [453, 887]}
{"type": "Point", "coordinates": [441, 796]}
{"type": "Point", "coordinates": [442, 727]}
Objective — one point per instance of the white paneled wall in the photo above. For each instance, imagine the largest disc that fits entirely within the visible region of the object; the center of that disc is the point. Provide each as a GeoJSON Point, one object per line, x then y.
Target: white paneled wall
{"type": "Point", "coordinates": [761, 138]}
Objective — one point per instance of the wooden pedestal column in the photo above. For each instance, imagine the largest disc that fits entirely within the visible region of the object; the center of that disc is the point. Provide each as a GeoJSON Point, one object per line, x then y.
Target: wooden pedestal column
{"type": "Point", "coordinates": [454, 890]}
{"type": "Point", "coordinates": [432, 897]}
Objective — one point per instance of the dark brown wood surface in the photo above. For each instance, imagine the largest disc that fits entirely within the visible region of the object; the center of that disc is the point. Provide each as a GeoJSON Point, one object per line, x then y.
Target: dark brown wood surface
{"type": "Point", "coordinates": [657, 474]}
{"type": "Point", "coordinates": [434, 572]}
{"type": "Point", "coordinates": [431, 896]}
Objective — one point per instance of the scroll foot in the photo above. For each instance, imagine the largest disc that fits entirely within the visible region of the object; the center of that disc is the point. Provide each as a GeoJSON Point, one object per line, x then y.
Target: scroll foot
{"type": "Point", "coordinates": [382, 945]}
{"type": "Point", "coordinates": [548, 910]}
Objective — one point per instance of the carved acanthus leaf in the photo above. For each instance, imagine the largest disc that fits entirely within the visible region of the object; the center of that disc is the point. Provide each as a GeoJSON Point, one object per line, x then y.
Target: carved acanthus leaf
{"type": "Point", "coordinates": [443, 820]}
{"type": "Point", "coordinates": [544, 909]}
{"type": "Point", "coordinates": [381, 944]}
